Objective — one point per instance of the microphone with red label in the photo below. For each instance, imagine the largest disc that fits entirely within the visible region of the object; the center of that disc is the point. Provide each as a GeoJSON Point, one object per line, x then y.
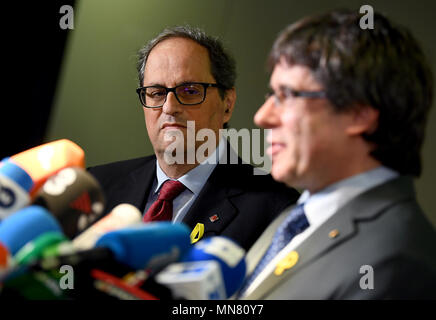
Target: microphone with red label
{"type": "Point", "coordinates": [74, 197]}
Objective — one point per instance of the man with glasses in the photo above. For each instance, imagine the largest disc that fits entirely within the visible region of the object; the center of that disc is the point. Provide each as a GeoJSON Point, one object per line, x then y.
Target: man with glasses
{"type": "Point", "coordinates": [347, 110]}
{"type": "Point", "coordinates": [187, 83]}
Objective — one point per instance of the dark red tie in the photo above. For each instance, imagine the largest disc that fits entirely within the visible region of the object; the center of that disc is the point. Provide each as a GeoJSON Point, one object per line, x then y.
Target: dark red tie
{"type": "Point", "coordinates": [162, 208]}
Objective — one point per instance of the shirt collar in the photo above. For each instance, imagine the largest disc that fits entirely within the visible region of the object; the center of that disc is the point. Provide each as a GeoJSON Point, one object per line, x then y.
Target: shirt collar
{"type": "Point", "coordinates": [323, 204]}
{"type": "Point", "coordinates": [195, 179]}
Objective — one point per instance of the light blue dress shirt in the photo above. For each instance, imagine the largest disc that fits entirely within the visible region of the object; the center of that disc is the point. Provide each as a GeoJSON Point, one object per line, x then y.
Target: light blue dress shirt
{"type": "Point", "coordinates": [193, 180]}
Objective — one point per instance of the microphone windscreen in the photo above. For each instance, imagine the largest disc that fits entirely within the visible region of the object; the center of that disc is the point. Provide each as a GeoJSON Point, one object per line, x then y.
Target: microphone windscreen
{"type": "Point", "coordinates": [120, 217]}
{"type": "Point", "coordinates": [198, 280]}
{"type": "Point", "coordinates": [74, 197]}
{"type": "Point", "coordinates": [15, 184]}
{"type": "Point", "coordinates": [40, 285]}
{"type": "Point", "coordinates": [148, 246]}
{"type": "Point", "coordinates": [227, 253]}
{"type": "Point", "coordinates": [6, 261]}
{"type": "Point", "coordinates": [34, 249]}
{"type": "Point", "coordinates": [43, 161]}
{"type": "Point", "coordinates": [25, 225]}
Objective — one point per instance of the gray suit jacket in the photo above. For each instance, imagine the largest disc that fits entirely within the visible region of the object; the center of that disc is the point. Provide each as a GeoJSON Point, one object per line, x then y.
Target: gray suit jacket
{"type": "Point", "coordinates": [383, 228]}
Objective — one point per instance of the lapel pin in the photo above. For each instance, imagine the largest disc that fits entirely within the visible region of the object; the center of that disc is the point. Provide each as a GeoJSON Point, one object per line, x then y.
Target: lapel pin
{"type": "Point", "coordinates": [197, 233]}
{"type": "Point", "coordinates": [334, 233]}
{"type": "Point", "coordinates": [286, 263]}
{"type": "Point", "coordinates": [214, 218]}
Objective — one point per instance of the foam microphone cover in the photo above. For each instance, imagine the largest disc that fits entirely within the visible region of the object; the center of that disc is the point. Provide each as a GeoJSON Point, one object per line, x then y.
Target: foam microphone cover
{"type": "Point", "coordinates": [34, 249]}
{"type": "Point", "coordinates": [6, 261]}
{"type": "Point", "coordinates": [15, 184]}
{"type": "Point", "coordinates": [229, 255]}
{"type": "Point", "coordinates": [45, 160]}
{"type": "Point", "coordinates": [198, 280]}
{"type": "Point", "coordinates": [123, 215]}
{"type": "Point", "coordinates": [26, 225]}
{"type": "Point", "coordinates": [148, 246]}
{"type": "Point", "coordinates": [74, 197]}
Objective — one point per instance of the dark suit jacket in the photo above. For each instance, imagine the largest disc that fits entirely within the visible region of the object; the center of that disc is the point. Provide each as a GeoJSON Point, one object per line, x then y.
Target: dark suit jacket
{"type": "Point", "coordinates": [383, 228]}
{"type": "Point", "coordinates": [245, 203]}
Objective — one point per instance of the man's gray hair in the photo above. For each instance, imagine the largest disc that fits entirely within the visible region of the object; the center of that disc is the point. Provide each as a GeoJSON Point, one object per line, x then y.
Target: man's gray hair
{"type": "Point", "coordinates": [223, 67]}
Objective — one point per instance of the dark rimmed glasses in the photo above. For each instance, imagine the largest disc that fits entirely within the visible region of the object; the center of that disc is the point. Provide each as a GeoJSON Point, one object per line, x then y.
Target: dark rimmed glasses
{"type": "Point", "coordinates": [288, 93]}
{"type": "Point", "coordinates": [189, 94]}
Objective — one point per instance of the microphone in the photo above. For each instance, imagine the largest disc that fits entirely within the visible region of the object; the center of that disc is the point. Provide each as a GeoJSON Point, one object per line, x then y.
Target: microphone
{"type": "Point", "coordinates": [34, 286]}
{"type": "Point", "coordinates": [198, 280]}
{"type": "Point", "coordinates": [20, 275]}
{"type": "Point", "coordinates": [146, 246]}
{"type": "Point", "coordinates": [196, 277]}
{"type": "Point", "coordinates": [43, 161]}
{"type": "Point", "coordinates": [25, 225]}
{"type": "Point", "coordinates": [6, 261]}
{"type": "Point", "coordinates": [74, 197]}
{"type": "Point", "coordinates": [34, 249]}
{"type": "Point", "coordinates": [53, 244]}
{"type": "Point", "coordinates": [120, 217]}
{"type": "Point", "coordinates": [15, 184]}
{"type": "Point", "coordinates": [114, 286]}
{"type": "Point", "coordinates": [57, 249]}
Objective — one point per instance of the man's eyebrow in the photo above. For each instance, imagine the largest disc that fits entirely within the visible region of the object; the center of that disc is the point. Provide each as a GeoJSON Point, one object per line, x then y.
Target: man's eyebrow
{"type": "Point", "coordinates": [156, 84]}
{"type": "Point", "coordinates": [285, 88]}
{"type": "Point", "coordinates": [280, 89]}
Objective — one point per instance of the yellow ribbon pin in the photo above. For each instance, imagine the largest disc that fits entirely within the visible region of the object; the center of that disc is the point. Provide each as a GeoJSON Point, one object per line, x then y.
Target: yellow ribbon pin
{"type": "Point", "coordinates": [197, 233]}
{"type": "Point", "coordinates": [286, 263]}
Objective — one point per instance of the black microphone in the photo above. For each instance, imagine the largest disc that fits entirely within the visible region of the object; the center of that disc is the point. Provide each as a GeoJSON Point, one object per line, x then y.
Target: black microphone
{"type": "Point", "coordinates": [74, 197]}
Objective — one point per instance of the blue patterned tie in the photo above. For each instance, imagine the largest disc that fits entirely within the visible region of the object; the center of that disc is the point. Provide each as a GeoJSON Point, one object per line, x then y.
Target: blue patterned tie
{"type": "Point", "coordinates": [294, 223]}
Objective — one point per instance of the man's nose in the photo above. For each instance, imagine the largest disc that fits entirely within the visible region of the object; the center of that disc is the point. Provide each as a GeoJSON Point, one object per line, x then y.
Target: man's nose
{"type": "Point", "coordinates": [171, 105]}
{"type": "Point", "coordinates": [267, 116]}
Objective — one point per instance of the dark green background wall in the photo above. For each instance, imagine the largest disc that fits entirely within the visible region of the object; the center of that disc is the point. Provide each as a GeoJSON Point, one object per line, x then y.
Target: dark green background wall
{"type": "Point", "coordinates": [96, 105]}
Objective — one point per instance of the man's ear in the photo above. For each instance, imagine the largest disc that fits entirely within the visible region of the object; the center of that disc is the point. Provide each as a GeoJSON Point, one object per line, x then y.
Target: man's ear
{"type": "Point", "coordinates": [229, 104]}
{"type": "Point", "coordinates": [364, 119]}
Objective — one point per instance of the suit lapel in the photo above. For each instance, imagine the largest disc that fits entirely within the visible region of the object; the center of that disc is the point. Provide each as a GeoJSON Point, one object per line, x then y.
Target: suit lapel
{"type": "Point", "coordinates": [259, 248]}
{"type": "Point", "coordinates": [339, 228]}
{"type": "Point", "coordinates": [213, 206]}
{"type": "Point", "coordinates": [136, 185]}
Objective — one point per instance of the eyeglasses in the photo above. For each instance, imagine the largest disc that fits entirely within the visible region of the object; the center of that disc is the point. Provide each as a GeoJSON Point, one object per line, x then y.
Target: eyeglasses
{"type": "Point", "coordinates": [288, 94]}
{"type": "Point", "coordinates": [190, 93]}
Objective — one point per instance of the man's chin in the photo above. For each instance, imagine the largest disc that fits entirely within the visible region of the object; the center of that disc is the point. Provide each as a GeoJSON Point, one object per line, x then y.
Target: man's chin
{"type": "Point", "coordinates": [180, 155]}
{"type": "Point", "coordinates": [283, 175]}
{"type": "Point", "coordinates": [278, 174]}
